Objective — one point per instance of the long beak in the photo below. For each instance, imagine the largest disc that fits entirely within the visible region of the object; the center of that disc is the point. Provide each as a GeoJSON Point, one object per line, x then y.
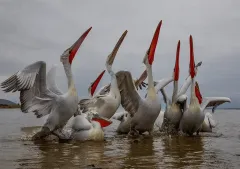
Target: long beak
{"type": "Point", "coordinates": [154, 44]}
{"type": "Point", "coordinates": [74, 48]}
{"type": "Point", "coordinates": [198, 93]}
{"type": "Point", "coordinates": [94, 85]}
{"type": "Point", "coordinates": [192, 62]}
{"type": "Point", "coordinates": [176, 68]}
{"type": "Point", "coordinates": [104, 122]}
{"type": "Point", "coordinates": [141, 78]}
{"type": "Point", "coordinates": [112, 56]}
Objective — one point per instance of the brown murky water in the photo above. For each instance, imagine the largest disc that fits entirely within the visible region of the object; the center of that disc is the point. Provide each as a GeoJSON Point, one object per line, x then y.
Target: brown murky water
{"type": "Point", "coordinates": [220, 149]}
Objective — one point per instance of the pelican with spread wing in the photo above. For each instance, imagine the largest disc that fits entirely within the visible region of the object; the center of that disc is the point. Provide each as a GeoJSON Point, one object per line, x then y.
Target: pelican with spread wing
{"type": "Point", "coordinates": [36, 97]}
{"type": "Point", "coordinates": [193, 116]}
{"type": "Point", "coordinates": [85, 126]}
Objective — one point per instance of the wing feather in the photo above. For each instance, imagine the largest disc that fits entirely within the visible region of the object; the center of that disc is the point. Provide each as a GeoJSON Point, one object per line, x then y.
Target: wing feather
{"type": "Point", "coordinates": [51, 84]}
{"type": "Point", "coordinates": [214, 102]}
{"type": "Point", "coordinates": [130, 99]}
{"type": "Point", "coordinates": [31, 82]}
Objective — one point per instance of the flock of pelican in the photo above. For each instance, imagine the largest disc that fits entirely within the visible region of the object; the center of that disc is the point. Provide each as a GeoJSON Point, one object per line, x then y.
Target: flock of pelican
{"type": "Point", "coordinates": [39, 94]}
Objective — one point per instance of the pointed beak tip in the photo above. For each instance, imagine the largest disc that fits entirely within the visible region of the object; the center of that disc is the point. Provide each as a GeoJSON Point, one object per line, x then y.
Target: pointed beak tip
{"type": "Point", "coordinates": [160, 23]}
{"type": "Point", "coordinates": [88, 30]}
{"type": "Point", "coordinates": [154, 44]}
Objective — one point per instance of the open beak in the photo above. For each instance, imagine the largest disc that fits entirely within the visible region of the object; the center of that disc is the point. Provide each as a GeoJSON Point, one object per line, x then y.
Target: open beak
{"type": "Point", "coordinates": [94, 85]}
{"type": "Point", "coordinates": [176, 68]}
{"type": "Point", "coordinates": [192, 62]}
{"type": "Point", "coordinates": [112, 56]}
{"type": "Point", "coordinates": [74, 48]}
{"type": "Point", "coordinates": [198, 93]}
{"type": "Point", "coordinates": [154, 44]}
{"type": "Point", "coordinates": [104, 122]}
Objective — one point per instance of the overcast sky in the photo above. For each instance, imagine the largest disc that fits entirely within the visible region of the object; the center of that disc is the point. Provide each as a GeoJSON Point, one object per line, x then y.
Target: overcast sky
{"type": "Point", "coordinates": [32, 30]}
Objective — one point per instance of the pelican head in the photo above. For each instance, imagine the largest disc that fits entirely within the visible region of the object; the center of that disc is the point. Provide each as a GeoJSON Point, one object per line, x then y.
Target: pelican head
{"type": "Point", "coordinates": [94, 116]}
{"type": "Point", "coordinates": [69, 54]}
{"type": "Point", "coordinates": [113, 54]}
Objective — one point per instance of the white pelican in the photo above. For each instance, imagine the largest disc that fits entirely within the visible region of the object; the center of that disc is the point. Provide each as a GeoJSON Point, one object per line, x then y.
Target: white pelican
{"type": "Point", "coordinates": [88, 126]}
{"type": "Point", "coordinates": [194, 115]}
{"type": "Point", "coordinates": [85, 126]}
{"type": "Point", "coordinates": [105, 104]}
{"type": "Point", "coordinates": [209, 123]}
{"type": "Point", "coordinates": [36, 97]}
{"type": "Point", "coordinates": [173, 111]}
{"type": "Point", "coordinates": [143, 112]}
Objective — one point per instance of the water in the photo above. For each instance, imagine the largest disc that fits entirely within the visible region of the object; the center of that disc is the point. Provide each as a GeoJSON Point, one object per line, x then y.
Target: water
{"type": "Point", "coordinates": [220, 149]}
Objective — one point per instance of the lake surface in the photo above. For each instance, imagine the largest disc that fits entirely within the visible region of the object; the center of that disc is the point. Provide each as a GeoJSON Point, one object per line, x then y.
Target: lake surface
{"type": "Point", "coordinates": [220, 149]}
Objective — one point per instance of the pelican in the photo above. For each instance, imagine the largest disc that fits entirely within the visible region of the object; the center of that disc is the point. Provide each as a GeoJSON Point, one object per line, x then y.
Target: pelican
{"type": "Point", "coordinates": [106, 104]}
{"type": "Point", "coordinates": [193, 116]}
{"type": "Point", "coordinates": [174, 108]}
{"type": "Point", "coordinates": [173, 112]}
{"type": "Point", "coordinates": [143, 112]}
{"type": "Point", "coordinates": [209, 123]}
{"type": "Point", "coordinates": [36, 97]}
{"type": "Point", "coordinates": [88, 126]}
{"type": "Point", "coordinates": [85, 126]}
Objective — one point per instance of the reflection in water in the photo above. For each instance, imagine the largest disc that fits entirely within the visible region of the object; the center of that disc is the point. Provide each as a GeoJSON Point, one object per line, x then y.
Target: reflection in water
{"type": "Point", "coordinates": [183, 151]}
{"type": "Point", "coordinates": [141, 154]}
{"type": "Point", "coordinates": [68, 155]}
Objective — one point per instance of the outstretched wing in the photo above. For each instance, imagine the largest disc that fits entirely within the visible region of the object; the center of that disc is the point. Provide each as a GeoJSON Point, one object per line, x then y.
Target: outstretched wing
{"type": "Point", "coordinates": [51, 83]}
{"type": "Point", "coordinates": [214, 102]}
{"type": "Point", "coordinates": [31, 82]}
{"type": "Point", "coordinates": [160, 84]}
{"type": "Point", "coordinates": [130, 99]}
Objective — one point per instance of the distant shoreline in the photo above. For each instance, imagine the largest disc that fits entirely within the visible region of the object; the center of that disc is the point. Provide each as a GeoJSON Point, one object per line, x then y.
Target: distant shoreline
{"type": "Point", "coordinates": [4, 106]}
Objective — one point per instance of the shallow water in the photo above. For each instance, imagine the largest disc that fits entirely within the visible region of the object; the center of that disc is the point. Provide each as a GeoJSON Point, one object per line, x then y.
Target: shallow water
{"type": "Point", "coordinates": [220, 149]}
